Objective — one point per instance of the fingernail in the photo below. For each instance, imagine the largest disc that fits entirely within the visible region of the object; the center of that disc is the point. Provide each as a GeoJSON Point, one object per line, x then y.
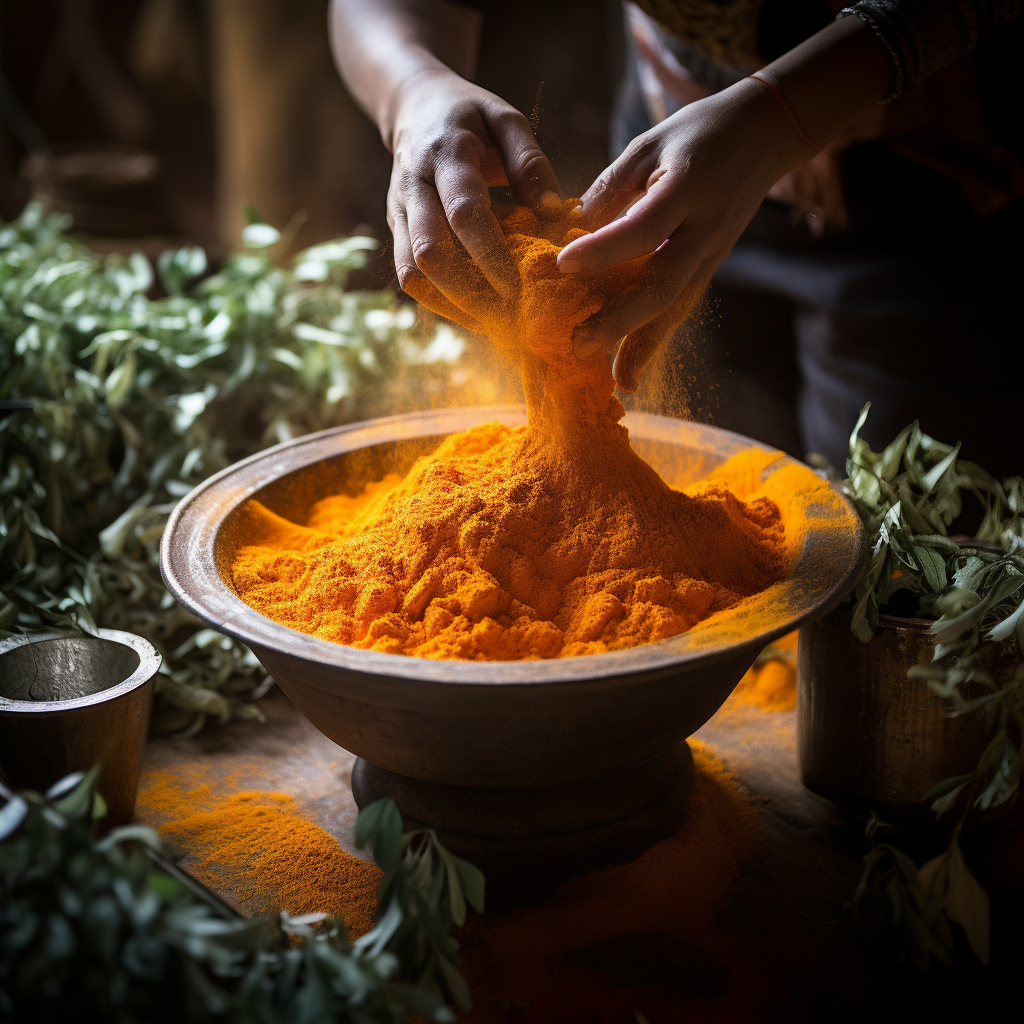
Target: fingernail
{"type": "Point", "coordinates": [570, 266]}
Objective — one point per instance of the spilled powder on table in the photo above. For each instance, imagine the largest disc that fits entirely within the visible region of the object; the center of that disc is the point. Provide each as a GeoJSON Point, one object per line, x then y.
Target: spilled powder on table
{"type": "Point", "coordinates": [258, 849]}
{"type": "Point", "coordinates": [648, 936]}
{"type": "Point", "coordinates": [771, 685]}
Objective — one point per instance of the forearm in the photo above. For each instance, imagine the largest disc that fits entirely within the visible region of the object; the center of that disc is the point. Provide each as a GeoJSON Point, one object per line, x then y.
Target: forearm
{"type": "Point", "coordinates": [381, 45]}
{"type": "Point", "coordinates": [832, 81]}
{"type": "Point", "coordinates": [924, 36]}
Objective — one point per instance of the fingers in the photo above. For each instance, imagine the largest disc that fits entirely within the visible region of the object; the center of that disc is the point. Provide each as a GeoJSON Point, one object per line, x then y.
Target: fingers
{"type": "Point", "coordinates": [412, 280]}
{"type": "Point", "coordinates": [645, 227]}
{"type": "Point", "coordinates": [665, 275]}
{"type": "Point", "coordinates": [427, 295]}
{"type": "Point", "coordinates": [437, 255]}
{"type": "Point", "coordinates": [527, 169]}
{"type": "Point", "coordinates": [466, 202]}
{"type": "Point", "coordinates": [640, 347]}
{"type": "Point", "coordinates": [623, 182]}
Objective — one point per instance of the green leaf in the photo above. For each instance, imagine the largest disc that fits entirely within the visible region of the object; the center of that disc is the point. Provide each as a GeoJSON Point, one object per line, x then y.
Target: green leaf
{"type": "Point", "coordinates": [131, 833]}
{"type": "Point", "coordinates": [76, 802]}
{"type": "Point", "coordinates": [933, 566]}
{"type": "Point", "coordinates": [387, 847]}
{"type": "Point", "coordinates": [948, 785]}
{"type": "Point", "coordinates": [368, 822]}
{"type": "Point", "coordinates": [120, 381]}
{"type": "Point", "coordinates": [457, 902]}
{"type": "Point", "coordinates": [473, 883]}
{"type": "Point", "coordinates": [376, 940]}
{"type": "Point", "coordinates": [12, 814]}
{"type": "Point", "coordinates": [889, 463]}
{"type": "Point", "coordinates": [1005, 629]}
{"type": "Point", "coordinates": [64, 785]}
{"type": "Point", "coordinates": [968, 904]}
{"type": "Point", "coordinates": [935, 474]}
{"type": "Point", "coordinates": [259, 235]}
{"type": "Point", "coordinates": [455, 984]}
{"type": "Point", "coordinates": [99, 807]}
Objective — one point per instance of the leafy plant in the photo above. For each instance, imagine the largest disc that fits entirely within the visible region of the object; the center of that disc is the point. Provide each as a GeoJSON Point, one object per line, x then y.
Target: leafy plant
{"type": "Point", "coordinates": [113, 405]}
{"type": "Point", "coordinates": [907, 497]}
{"type": "Point", "coordinates": [921, 903]}
{"type": "Point", "coordinates": [93, 929]}
{"type": "Point", "coordinates": [424, 893]}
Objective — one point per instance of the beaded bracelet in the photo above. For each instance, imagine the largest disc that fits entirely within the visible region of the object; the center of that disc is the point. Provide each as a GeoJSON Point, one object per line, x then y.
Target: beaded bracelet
{"type": "Point", "coordinates": [785, 106]}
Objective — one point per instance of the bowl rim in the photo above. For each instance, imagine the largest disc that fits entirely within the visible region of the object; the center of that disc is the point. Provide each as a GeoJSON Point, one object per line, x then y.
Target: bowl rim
{"type": "Point", "coordinates": [189, 567]}
{"type": "Point", "coordinates": [149, 664]}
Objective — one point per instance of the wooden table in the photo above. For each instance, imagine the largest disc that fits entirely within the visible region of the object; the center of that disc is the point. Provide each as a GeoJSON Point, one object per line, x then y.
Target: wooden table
{"type": "Point", "coordinates": [771, 937]}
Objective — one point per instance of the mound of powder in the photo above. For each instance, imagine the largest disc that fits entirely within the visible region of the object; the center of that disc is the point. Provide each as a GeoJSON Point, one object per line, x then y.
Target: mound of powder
{"type": "Point", "coordinates": [550, 540]}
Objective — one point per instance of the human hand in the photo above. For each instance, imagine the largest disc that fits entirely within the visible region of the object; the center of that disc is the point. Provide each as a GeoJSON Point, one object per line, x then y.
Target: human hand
{"type": "Point", "coordinates": [690, 186]}
{"type": "Point", "coordinates": [451, 141]}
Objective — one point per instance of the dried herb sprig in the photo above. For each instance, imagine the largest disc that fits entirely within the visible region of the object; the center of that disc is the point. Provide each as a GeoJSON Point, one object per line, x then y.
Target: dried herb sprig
{"type": "Point", "coordinates": [92, 929]}
{"type": "Point", "coordinates": [907, 497]}
{"type": "Point", "coordinates": [113, 405]}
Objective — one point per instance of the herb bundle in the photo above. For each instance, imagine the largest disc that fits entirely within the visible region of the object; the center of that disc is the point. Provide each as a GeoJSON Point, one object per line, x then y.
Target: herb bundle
{"type": "Point", "coordinates": [973, 588]}
{"type": "Point", "coordinates": [113, 405]}
{"type": "Point", "coordinates": [94, 928]}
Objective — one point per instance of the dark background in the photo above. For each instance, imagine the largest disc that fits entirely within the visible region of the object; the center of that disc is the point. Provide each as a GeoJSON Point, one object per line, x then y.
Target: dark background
{"type": "Point", "coordinates": [241, 102]}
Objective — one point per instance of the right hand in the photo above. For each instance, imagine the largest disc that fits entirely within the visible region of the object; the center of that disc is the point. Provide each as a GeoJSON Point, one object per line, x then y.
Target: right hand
{"type": "Point", "coordinates": [690, 185]}
{"type": "Point", "coordinates": [451, 141]}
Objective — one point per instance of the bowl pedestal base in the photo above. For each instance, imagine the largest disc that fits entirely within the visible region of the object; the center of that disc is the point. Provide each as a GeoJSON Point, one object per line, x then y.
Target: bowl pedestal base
{"type": "Point", "coordinates": [533, 839]}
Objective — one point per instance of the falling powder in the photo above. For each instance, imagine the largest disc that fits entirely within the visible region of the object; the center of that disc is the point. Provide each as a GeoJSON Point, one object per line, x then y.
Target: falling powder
{"type": "Point", "coordinates": [550, 540]}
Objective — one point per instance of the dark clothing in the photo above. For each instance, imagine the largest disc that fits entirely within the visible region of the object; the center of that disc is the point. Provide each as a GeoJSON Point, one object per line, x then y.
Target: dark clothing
{"type": "Point", "coordinates": [914, 306]}
{"type": "Point", "coordinates": [805, 333]}
{"type": "Point", "coordinates": [922, 36]}
{"type": "Point", "coordinates": [925, 36]}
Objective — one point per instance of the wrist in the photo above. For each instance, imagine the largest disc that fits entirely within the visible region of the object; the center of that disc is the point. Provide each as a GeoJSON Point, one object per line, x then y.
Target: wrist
{"type": "Point", "coordinates": [834, 79]}
{"type": "Point", "coordinates": [423, 72]}
{"type": "Point", "coordinates": [777, 144]}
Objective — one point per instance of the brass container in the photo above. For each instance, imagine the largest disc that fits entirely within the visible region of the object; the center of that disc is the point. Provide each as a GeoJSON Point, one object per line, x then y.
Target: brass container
{"type": "Point", "coordinates": [869, 738]}
{"type": "Point", "coordinates": [69, 701]}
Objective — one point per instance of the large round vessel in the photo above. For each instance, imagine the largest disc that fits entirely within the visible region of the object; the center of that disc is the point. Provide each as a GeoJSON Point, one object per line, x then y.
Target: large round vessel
{"type": "Point", "coordinates": [533, 769]}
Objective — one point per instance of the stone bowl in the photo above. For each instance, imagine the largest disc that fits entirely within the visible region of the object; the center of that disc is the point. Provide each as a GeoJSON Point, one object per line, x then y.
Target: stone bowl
{"type": "Point", "coordinates": [534, 769]}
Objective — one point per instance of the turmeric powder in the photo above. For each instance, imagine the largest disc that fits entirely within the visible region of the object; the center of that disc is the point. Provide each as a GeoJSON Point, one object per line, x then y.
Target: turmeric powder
{"type": "Point", "coordinates": [550, 540]}
{"type": "Point", "coordinates": [258, 849]}
{"type": "Point", "coordinates": [770, 683]}
{"type": "Point", "coordinates": [545, 961]}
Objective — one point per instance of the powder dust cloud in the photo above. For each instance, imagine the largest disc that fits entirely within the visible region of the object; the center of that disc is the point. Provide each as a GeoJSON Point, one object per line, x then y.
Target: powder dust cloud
{"type": "Point", "coordinates": [770, 683]}
{"type": "Point", "coordinates": [552, 540]}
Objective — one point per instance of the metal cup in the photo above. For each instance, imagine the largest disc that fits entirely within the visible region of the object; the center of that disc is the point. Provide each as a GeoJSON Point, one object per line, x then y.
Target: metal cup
{"type": "Point", "coordinates": [69, 701]}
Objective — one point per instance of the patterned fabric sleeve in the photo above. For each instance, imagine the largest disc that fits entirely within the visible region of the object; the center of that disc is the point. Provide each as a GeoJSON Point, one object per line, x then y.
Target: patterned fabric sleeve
{"type": "Point", "coordinates": [924, 36]}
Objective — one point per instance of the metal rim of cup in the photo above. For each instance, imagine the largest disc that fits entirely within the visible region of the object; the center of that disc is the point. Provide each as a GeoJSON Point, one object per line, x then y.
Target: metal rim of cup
{"type": "Point", "coordinates": [149, 663]}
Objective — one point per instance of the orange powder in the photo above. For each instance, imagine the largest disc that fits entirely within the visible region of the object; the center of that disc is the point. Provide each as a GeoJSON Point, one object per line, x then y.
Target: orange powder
{"type": "Point", "coordinates": [259, 850]}
{"type": "Point", "coordinates": [642, 936]}
{"type": "Point", "coordinates": [771, 682]}
{"type": "Point", "coordinates": [550, 540]}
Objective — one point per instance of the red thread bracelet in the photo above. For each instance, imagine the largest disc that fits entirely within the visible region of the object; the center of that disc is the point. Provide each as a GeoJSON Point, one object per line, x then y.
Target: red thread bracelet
{"type": "Point", "coordinates": [785, 106]}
